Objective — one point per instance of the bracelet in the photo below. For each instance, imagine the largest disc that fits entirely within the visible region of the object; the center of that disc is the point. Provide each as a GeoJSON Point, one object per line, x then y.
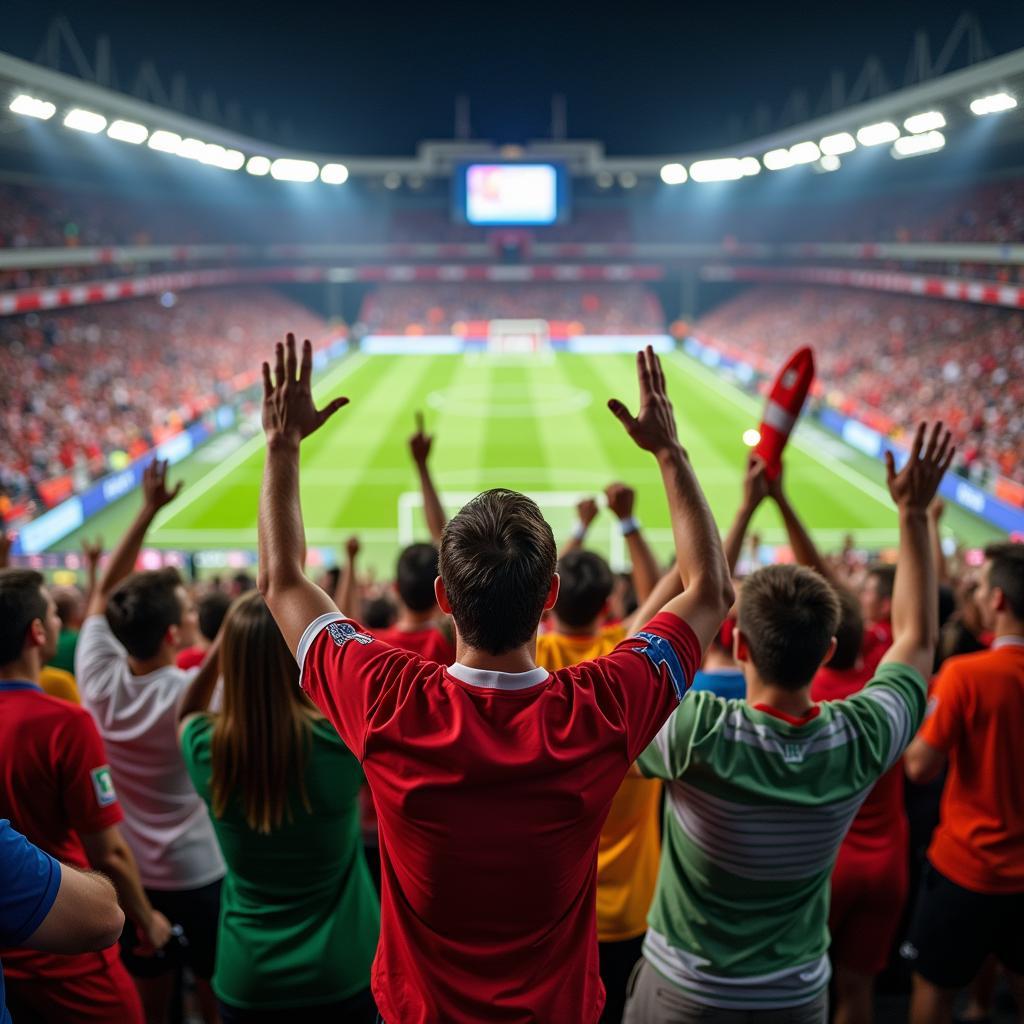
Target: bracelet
{"type": "Point", "coordinates": [628, 526]}
{"type": "Point", "coordinates": [579, 531]}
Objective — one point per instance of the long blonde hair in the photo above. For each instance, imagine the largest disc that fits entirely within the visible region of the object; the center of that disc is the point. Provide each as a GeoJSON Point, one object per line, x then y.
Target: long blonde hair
{"type": "Point", "coordinates": [262, 737]}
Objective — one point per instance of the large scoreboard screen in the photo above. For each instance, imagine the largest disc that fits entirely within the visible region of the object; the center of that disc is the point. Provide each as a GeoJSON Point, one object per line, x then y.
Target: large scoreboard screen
{"type": "Point", "coordinates": [510, 194]}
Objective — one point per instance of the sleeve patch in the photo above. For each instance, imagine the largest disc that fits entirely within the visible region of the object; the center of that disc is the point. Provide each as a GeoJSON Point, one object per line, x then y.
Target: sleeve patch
{"type": "Point", "coordinates": [342, 632]}
{"type": "Point", "coordinates": [660, 652]}
{"type": "Point", "coordinates": [103, 786]}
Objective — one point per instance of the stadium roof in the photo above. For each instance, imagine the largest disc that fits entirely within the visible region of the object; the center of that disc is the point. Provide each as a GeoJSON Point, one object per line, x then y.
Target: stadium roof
{"type": "Point", "coordinates": [950, 95]}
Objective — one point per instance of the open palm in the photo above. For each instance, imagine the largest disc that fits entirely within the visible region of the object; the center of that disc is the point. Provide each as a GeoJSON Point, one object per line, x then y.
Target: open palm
{"type": "Point", "coordinates": [654, 426]}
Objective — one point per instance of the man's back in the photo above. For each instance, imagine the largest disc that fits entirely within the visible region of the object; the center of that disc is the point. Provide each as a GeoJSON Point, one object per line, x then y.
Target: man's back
{"type": "Point", "coordinates": [513, 771]}
{"type": "Point", "coordinates": [758, 804]}
{"type": "Point", "coordinates": [976, 715]}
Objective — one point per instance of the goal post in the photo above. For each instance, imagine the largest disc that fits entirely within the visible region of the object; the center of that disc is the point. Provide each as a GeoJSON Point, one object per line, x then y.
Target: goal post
{"type": "Point", "coordinates": [518, 337]}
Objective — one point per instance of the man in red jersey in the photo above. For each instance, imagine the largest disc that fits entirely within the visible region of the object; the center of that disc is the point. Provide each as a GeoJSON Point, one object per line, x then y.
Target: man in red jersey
{"type": "Point", "coordinates": [876, 611]}
{"type": "Point", "coordinates": [55, 788]}
{"type": "Point", "coordinates": [492, 777]}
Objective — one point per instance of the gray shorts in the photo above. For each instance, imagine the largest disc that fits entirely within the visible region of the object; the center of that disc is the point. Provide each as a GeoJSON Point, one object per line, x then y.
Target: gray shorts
{"type": "Point", "coordinates": [651, 999]}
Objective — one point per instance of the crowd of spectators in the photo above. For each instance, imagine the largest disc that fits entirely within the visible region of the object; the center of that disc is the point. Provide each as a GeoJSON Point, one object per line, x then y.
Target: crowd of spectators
{"type": "Point", "coordinates": [514, 782]}
{"type": "Point", "coordinates": [590, 308]}
{"type": "Point", "coordinates": [889, 359]}
{"type": "Point", "coordinates": [86, 390]}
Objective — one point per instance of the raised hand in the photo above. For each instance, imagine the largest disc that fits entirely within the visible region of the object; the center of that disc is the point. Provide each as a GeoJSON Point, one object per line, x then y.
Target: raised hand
{"type": "Point", "coordinates": [914, 486]}
{"type": "Point", "coordinates": [654, 426]}
{"type": "Point", "coordinates": [420, 442]}
{"type": "Point", "coordinates": [92, 553]}
{"type": "Point", "coordinates": [621, 498]}
{"type": "Point", "coordinates": [288, 410]}
{"type": "Point", "coordinates": [755, 484]}
{"type": "Point", "coordinates": [155, 491]}
{"type": "Point", "coordinates": [587, 511]}
{"type": "Point", "coordinates": [352, 547]}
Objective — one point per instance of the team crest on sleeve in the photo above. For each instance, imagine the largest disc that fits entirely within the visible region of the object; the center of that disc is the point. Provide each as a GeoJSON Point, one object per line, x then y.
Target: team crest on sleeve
{"type": "Point", "coordinates": [661, 653]}
{"type": "Point", "coordinates": [103, 786]}
{"type": "Point", "coordinates": [342, 632]}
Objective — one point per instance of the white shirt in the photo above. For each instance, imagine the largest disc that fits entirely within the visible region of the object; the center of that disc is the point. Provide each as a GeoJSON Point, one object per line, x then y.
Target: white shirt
{"type": "Point", "coordinates": [166, 824]}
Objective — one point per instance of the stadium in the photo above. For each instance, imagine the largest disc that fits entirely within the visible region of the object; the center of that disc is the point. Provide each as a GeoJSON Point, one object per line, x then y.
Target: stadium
{"type": "Point", "coordinates": [806, 289]}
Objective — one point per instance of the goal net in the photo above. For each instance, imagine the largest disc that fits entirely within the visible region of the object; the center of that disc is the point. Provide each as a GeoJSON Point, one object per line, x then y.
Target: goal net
{"type": "Point", "coordinates": [518, 337]}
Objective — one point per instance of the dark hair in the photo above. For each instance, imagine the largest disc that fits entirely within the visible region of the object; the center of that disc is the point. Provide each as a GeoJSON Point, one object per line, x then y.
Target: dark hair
{"type": "Point", "coordinates": [142, 608]}
{"type": "Point", "coordinates": [1007, 573]}
{"type": "Point", "coordinates": [415, 575]}
{"type": "Point", "coordinates": [22, 601]}
{"type": "Point", "coordinates": [885, 577]}
{"type": "Point", "coordinates": [331, 580]}
{"type": "Point", "coordinates": [849, 631]}
{"type": "Point", "coordinates": [378, 613]}
{"type": "Point", "coordinates": [243, 582]}
{"type": "Point", "coordinates": [788, 615]}
{"type": "Point", "coordinates": [69, 603]}
{"type": "Point", "coordinates": [586, 585]}
{"type": "Point", "coordinates": [212, 608]}
{"type": "Point", "coordinates": [497, 559]}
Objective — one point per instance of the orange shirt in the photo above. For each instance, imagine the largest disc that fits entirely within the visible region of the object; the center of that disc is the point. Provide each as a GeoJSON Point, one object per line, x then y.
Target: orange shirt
{"type": "Point", "coordinates": [629, 849]}
{"type": "Point", "coordinates": [976, 716]}
{"type": "Point", "coordinates": [58, 683]}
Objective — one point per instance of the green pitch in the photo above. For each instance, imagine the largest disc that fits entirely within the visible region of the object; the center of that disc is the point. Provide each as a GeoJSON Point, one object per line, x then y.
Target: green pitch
{"type": "Point", "coordinates": [538, 424]}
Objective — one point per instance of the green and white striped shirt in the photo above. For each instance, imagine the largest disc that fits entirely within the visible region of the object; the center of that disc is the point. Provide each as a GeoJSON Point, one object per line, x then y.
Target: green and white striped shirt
{"type": "Point", "coordinates": [756, 809]}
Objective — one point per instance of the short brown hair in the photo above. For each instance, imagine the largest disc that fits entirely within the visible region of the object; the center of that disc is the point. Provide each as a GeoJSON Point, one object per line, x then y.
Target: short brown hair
{"type": "Point", "coordinates": [788, 615]}
{"type": "Point", "coordinates": [849, 631]}
{"type": "Point", "coordinates": [22, 601]}
{"type": "Point", "coordinates": [586, 583]}
{"type": "Point", "coordinates": [497, 560]}
{"type": "Point", "coordinates": [142, 608]}
{"type": "Point", "coordinates": [884, 576]}
{"type": "Point", "coordinates": [1007, 573]}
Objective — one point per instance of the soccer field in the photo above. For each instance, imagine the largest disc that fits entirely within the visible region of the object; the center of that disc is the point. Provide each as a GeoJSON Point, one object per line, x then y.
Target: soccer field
{"type": "Point", "coordinates": [538, 424]}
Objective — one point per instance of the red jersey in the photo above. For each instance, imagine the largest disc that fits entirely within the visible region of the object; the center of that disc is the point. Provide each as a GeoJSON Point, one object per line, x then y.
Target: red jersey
{"type": "Point", "coordinates": [430, 643]}
{"type": "Point", "coordinates": [881, 823]}
{"type": "Point", "coordinates": [492, 789]}
{"type": "Point", "coordinates": [54, 784]}
{"type": "Point", "coordinates": [190, 657]}
{"type": "Point", "coordinates": [877, 640]}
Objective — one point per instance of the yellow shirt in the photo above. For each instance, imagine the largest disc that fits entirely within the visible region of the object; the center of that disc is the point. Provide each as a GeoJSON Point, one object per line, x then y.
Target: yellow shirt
{"type": "Point", "coordinates": [58, 683]}
{"type": "Point", "coordinates": [630, 845]}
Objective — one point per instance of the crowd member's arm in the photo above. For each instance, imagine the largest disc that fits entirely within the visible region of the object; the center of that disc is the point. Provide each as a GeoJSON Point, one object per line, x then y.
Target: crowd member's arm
{"type": "Point", "coordinates": [915, 613]}
{"type": "Point", "coordinates": [91, 555]}
{"type": "Point", "coordinates": [419, 445]}
{"type": "Point", "coordinates": [6, 542]}
{"type": "Point", "coordinates": [707, 587]}
{"type": "Point", "coordinates": [289, 415]}
{"type": "Point", "coordinates": [199, 692]}
{"type": "Point", "coordinates": [52, 907]}
{"type": "Point", "coordinates": [155, 494]}
{"type": "Point", "coordinates": [935, 510]}
{"type": "Point", "coordinates": [643, 565]}
{"type": "Point", "coordinates": [670, 585]}
{"type": "Point", "coordinates": [108, 852]}
{"type": "Point", "coordinates": [586, 513]}
{"type": "Point", "coordinates": [347, 594]}
{"type": "Point", "coordinates": [804, 549]}
{"type": "Point", "coordinates": [755, 490]}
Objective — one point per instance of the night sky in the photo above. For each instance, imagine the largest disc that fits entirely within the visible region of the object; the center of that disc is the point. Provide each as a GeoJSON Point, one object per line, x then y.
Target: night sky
{"type": "Point", "coordinates": [376, 77]}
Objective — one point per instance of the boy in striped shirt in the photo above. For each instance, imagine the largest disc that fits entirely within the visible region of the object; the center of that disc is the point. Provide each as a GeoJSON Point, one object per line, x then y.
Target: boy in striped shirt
{"type": "Point", "coordinates": [760, 793]}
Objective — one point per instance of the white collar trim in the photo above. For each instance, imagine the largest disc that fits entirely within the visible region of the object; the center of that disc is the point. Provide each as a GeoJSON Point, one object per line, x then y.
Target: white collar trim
{"type": "Point", "coordinates": [488, 680]}
{"type": "Point", "coordinates": [1008, 641]}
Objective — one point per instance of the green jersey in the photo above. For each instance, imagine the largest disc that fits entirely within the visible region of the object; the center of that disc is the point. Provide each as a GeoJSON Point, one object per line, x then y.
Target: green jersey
{"type": "Point", "coordinates": [299, 916]}
{"type": "Point", "coordinates": [757, 805]}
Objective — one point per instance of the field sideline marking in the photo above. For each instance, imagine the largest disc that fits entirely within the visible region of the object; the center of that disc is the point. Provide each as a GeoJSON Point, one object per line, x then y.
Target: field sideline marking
{"type": "Point", "coordinates": [214, 477]}
{"type": "Point", "coordinates": [737, 397]}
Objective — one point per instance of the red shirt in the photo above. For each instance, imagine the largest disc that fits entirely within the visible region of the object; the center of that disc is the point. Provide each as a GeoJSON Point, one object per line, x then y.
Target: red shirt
{"type": "Point", "coordinates": [190, 657]}
{"type": "Point", "coordinates": [881, 822]}
{"type": "Point", "coordinates": [54, 784]}
{"type": "Point", "coordinates": [491, 790]}
{"type": "Point", "coordinates": [430, 643]}
{"type": "Point", "coordinates": [877, 640]}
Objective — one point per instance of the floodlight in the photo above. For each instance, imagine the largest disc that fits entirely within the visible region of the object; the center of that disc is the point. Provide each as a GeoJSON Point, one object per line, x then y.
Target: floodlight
{"type": "Point", "coordinates": [84, 120]}
{"type": "Point", "coordinates": [29, 106]}
{"type": "Point", "coordinates": [604, 179]}
{"type": "Point", "coordinates": [727, 168]}
{"type": "Point", "coordinates": [192, 149]}
{"type": "Point", "coordinates": [926, 122]}
{"type": "Point", "coordinates": [212, 154]}
{"type": "Point", "coordinates": [128, 131]}
{"type": "Point", "coordinates": [838, 144]}
{"type": "Point", "coordinates": [627, 179]}
{"type": "Point", "coordinates": [804, 152]}
{"type": "Point", "coordinates": [993, 104]}
{"type": "Point", "coordinates": [673, 174]}
{"type": "Point", "coordinates": [285, 169]}
{"type": "Point", "coordinates": [915, 145]}
{"type": "Point", "coordinates": [750, 165]}
{"type": "Point", "coordinates": [876, 134]}
{"type": "Point", "coordinates": [777, 159]}
{"type": "Point", "coordinates": [232, 160]}
{"type": "Point", "coordinates": [751, 437]}
{"type": "Point", "coordinates": [165, 142]}
{"type": "Point", "coordinates": [334, 174]}
{"type": "Point", "coordinates": [830, 162]}
{"type": "Point", "coordinates": [392, 180]}
{"type": "Point", "coordinates": [258, 165]}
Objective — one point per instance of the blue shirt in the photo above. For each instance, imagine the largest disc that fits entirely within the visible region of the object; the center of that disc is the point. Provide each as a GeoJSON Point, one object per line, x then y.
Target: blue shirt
{"type": "Point", "coordinates": [723, 682]}
{"type": "Point", "coordinates": [30, 880]}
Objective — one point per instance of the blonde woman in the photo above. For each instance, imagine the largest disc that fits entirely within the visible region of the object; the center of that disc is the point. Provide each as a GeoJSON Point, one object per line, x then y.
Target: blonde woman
{"type": "Point", "coordinates": [299, 916]}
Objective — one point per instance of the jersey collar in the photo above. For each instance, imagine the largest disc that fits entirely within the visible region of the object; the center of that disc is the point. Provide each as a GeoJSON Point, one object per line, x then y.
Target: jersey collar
{"type": "Point", "coordinates": [488, 680]}
{"type": "Point", "coordinates": [9, 685]}
{"type": "Point", "coordinates": [1008, 641]}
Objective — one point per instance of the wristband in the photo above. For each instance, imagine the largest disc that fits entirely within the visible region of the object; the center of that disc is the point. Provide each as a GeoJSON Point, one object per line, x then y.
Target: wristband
{"type": "Point", "coordinates": [579, 531]}
{"type": "Point", "coordinates": [628, 526]}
